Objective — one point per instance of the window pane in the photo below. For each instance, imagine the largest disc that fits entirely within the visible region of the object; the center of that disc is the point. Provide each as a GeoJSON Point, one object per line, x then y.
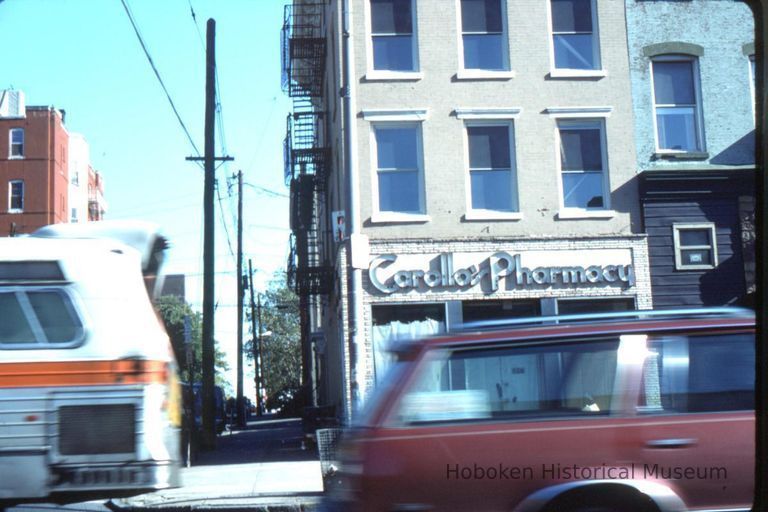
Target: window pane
{"type": "Point", "coordinates": [690, 237]}
{"type": "Point", "coordinates": [572, 15]}
{"type": "Point", "coordinates": [399, 191]}
{"type": "Point", "coordinates": [17, 136]}
{"type": "Point", "coordinates": [391, 17]}
{"type": "Point", "coordinates": [543, 381]}
{"type": "Point", "coordinates": [393, 53]}
{"type": "Point", "coordinates": [700, 373]}
{"type": "Point", "coordinates": [574, 51]}
{"type": "Point", "coordinates": [396, 148]}
{"type": "Point", "coordinates": [56, 319]}
{"type": "Point", "coordinates": [580, 149]}
{"type": "Point", "coordinates": [488, 147]}
{"type": "Point", "coordinates": [14, 327]}
{"type": "Point", "coordinates": [481, 16]}
{"type": "Point", "coordinates": [677, 128]}
{"type": "Point", "coordinates": [583, 190]}
{"type": "Point", "coordinates": [673, 83]}
{"type": "Point", "coordinates": [483, 52]}
{"type": "Point", "coordinates": [492, 190]}
{"type": "Point", "coordinates": [17, 196]}
{"type": "Point", "coordinates": [696, 257]}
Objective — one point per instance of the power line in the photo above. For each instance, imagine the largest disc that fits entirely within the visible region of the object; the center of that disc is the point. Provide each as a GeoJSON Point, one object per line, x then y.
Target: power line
{"type": "Point", "coordinates": [157, 74]}
{"type": "Point", "coordinates": [265, 190]}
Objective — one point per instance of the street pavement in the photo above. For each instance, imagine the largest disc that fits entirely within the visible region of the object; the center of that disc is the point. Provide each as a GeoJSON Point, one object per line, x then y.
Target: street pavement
{"type": "Point", "coordinates": [264, 467]}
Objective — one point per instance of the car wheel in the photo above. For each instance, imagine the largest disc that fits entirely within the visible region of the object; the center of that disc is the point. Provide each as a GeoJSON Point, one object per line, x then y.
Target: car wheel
{"type": "Point", "coordinates": [610, 501]}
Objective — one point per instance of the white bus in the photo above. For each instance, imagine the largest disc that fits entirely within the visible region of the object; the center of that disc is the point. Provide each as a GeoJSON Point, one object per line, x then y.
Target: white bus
{"type": "Point", "coordinates": [89, 394]}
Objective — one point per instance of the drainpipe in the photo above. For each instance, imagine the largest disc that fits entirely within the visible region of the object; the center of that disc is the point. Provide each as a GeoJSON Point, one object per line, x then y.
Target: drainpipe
{"type": "Point", "coordinates": [355, 304]}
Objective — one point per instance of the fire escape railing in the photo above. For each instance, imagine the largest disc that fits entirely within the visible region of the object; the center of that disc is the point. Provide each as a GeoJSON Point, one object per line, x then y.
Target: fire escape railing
{"type": "Point", "coordinates": [307, 157]}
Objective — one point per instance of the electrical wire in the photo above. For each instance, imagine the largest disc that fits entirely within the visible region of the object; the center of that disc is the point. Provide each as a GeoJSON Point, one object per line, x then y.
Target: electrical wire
{"type": "Point", "coordinates": [157, 74]}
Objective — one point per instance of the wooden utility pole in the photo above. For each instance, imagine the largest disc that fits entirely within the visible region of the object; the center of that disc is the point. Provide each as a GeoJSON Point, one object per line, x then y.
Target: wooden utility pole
{"type": "Point", "coordinates": [240, 404]}
{"type": "Point", "coordinates": [208, 378]}
{"type": "Point", "coordinates": [255, 340]}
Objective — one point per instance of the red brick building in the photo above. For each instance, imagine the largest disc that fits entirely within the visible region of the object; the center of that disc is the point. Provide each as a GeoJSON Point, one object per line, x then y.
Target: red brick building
{"type": "Point", "coordinates": [33, 166]}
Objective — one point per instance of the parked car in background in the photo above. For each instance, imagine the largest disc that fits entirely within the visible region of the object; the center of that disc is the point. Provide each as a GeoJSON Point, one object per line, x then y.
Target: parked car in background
{"type": "Point", "coordinates": [641, 411]}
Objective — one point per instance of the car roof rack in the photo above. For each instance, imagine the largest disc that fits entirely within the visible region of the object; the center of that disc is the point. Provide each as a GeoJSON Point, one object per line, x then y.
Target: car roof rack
{"type": "Point", "coordinates": [663, 314]}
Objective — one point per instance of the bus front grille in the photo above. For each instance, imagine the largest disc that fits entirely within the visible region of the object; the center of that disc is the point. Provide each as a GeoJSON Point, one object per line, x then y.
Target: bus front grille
{"type": "Point", "coordinates": [97, 429]}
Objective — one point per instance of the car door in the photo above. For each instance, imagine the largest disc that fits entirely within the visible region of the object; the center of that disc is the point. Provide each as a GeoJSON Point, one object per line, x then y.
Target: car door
{"type": "Point", "coordinates": [695, 424]}
{"type": "Point", "coordinates": [486, 426]}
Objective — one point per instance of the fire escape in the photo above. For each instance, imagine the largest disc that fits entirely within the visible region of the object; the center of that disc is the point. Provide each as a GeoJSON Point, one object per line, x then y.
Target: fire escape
{"type": "Point", "coordinates": [307, 155]}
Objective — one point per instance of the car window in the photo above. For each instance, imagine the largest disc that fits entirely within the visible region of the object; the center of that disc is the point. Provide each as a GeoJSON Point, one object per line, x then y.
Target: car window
{"type": "Point", "coordinates": [35, 317]}
{"type": "Point", "coordinates": [708, 373]}
{"type": "Point", "coordinates": [542, 381]}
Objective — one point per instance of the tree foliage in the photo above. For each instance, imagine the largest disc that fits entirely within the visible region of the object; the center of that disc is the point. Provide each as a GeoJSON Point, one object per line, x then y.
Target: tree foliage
{"type": "Point", "coordinates": [281, 350]}
{"type": "Point", "coordinates": [172, 311]}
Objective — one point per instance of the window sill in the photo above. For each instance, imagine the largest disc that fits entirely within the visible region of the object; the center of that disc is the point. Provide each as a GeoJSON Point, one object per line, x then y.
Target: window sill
{"type": "Point", "coordinates": [399, 218]}
{"type": "Point", "coordinates": [694, 267]}
{"type": "Point", "coordinates": [15, 210]}
{"type": "Point", "coordinates": [578, 73]}
{"type": "Point", "coordinates": [574, 213]}
{"type": "Point", "coordinates": [681, 155]}
{"type": "Point", "coordinates": [484, 74]}
{"type": "Point", "coordinates": [476, 215]}
{"type": "Point", "coordinates": [15, 158]}
{"type": "Point", "coordinates": [375, 76]}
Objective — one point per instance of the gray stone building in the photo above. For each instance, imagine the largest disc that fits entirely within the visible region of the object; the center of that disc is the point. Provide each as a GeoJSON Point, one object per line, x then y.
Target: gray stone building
{"type": "Point", "coordinates": [455, 161]}
{"type": "Point", "coordinates": [692, 72]}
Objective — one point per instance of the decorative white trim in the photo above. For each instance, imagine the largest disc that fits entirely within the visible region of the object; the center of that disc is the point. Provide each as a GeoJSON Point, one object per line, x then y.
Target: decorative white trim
{"type": "Point", "coordinates": [484, 74]}
{"type": "Point", "coordinates": [576, 213]}
{"type": "Point", "coordinates": [384, 76]}
{"type": "Point", "coordinates": [410, 115]}
{"type": "Point", "coordinates": [578, 112]}
{"type": "Point", "coordinates": [578, 73]}
{"type": "Point", "coordinates": [398, 217]}
{"type": "Point", "coordinates": [475, 215]}
{"type": "Point", "coordinates": [483, 113]}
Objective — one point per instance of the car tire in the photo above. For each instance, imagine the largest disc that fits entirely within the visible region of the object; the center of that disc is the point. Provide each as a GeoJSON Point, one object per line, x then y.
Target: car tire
{"type": "Point", "coordinates": [603, 500]}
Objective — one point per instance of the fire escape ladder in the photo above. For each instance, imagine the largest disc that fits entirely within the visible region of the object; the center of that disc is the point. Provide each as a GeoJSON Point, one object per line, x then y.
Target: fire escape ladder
{"type": "Point", "coordinates": [303, 49]}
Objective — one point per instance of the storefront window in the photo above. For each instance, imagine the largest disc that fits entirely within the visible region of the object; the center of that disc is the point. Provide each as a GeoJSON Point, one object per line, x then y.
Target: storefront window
{"type": "Point", "coordinates": [587, 306]}
{"type": "Point", "coordinates": [479, 310]}
{"type": "Point", "coordinates": [402, 322]}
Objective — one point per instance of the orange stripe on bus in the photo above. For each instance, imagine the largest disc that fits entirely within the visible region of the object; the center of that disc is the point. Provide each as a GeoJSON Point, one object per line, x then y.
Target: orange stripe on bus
{"type": "Point", "coordinates": [82, 373]}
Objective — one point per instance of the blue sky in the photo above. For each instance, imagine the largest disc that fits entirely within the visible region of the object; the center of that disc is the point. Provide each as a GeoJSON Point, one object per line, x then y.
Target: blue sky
{"type": "Point", "coordinates": [84, 57]}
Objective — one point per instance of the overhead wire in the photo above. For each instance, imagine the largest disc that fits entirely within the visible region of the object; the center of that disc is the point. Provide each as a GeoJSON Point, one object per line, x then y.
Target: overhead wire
{"type": "Point", "coordinates": [157, 74]}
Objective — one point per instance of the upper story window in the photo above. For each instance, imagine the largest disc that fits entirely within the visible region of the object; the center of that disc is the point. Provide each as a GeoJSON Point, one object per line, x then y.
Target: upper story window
{"type": "Point", "coordinates": [695, 246]}
{"type": "Point", "coordinates": [484, 35]}
{"type": "Point", "coordinates": [16, 143]}
{"type": "Point", "coordinates": [400, 180]}
{"type": "Point", "coordinates": [575, 40]}
{"type": "Point", "coordinates": [16, 196]}
{"type": "Point", "coordinates": [677, 104]}
{"type": "Point", "coordinates": [492, 174]}
{"type": "Point", "coordinates": [392, 35]}
{"type": "Point", "coordinates": [583, 166]}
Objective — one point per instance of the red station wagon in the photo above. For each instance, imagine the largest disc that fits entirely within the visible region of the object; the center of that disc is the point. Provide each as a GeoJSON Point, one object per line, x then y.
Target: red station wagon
{"type": "Point", "coordinates": [648, 411]}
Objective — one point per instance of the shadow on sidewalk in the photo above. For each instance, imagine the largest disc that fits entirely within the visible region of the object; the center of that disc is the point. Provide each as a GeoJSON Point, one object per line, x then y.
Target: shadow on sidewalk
{"type": "Point", "coordinates": [264, 440]}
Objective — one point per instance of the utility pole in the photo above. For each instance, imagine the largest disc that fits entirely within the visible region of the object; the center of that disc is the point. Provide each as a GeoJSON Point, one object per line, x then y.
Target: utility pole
{"type": "Point", "coordinates": [256, 338]}
{"type": "Point", "coordinates": [240, 403]}
{"type": "Point", "coordinates": [208, 380]}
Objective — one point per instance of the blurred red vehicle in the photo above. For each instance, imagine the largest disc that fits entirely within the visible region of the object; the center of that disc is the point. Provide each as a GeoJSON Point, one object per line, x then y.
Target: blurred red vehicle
{"type": "Point", "coordinates": [641, 411]}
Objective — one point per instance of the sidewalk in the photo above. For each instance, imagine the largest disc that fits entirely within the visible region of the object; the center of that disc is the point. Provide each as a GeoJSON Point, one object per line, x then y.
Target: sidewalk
{"type": "Point", "coordinates": [263, 468]}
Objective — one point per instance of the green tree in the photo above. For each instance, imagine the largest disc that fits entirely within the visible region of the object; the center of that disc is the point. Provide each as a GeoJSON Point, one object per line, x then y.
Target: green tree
{"type": "Point", "coordinates": [281, 350]}
{"type": "Point", "coordinates": [172, 311]}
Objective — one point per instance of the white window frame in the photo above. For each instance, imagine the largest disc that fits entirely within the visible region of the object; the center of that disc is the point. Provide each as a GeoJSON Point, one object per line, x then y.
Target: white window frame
{"type": "Point", "coordinates": [395, 119]}
{"type": "Point", "coordinates": [697, 111]}
{"type": "Point", "coordinates": [11, 143]}
{"type": "Point", "coordinates": [752, 88]}
{"type": "Point", "coordinates": [10, 196]}
{"type": "Point", "coordinates": [574, 117]}
{"type": "Point", "coordinates": [598, 70]}
{"type": "Point", "coordinates": [485, 214]}
{"type": "Point", "coordinates": [472, 73]}
{"type": "Point", "coordinates": [711, 228]}
{"type": "Point", "coordinates": [373, 74]}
